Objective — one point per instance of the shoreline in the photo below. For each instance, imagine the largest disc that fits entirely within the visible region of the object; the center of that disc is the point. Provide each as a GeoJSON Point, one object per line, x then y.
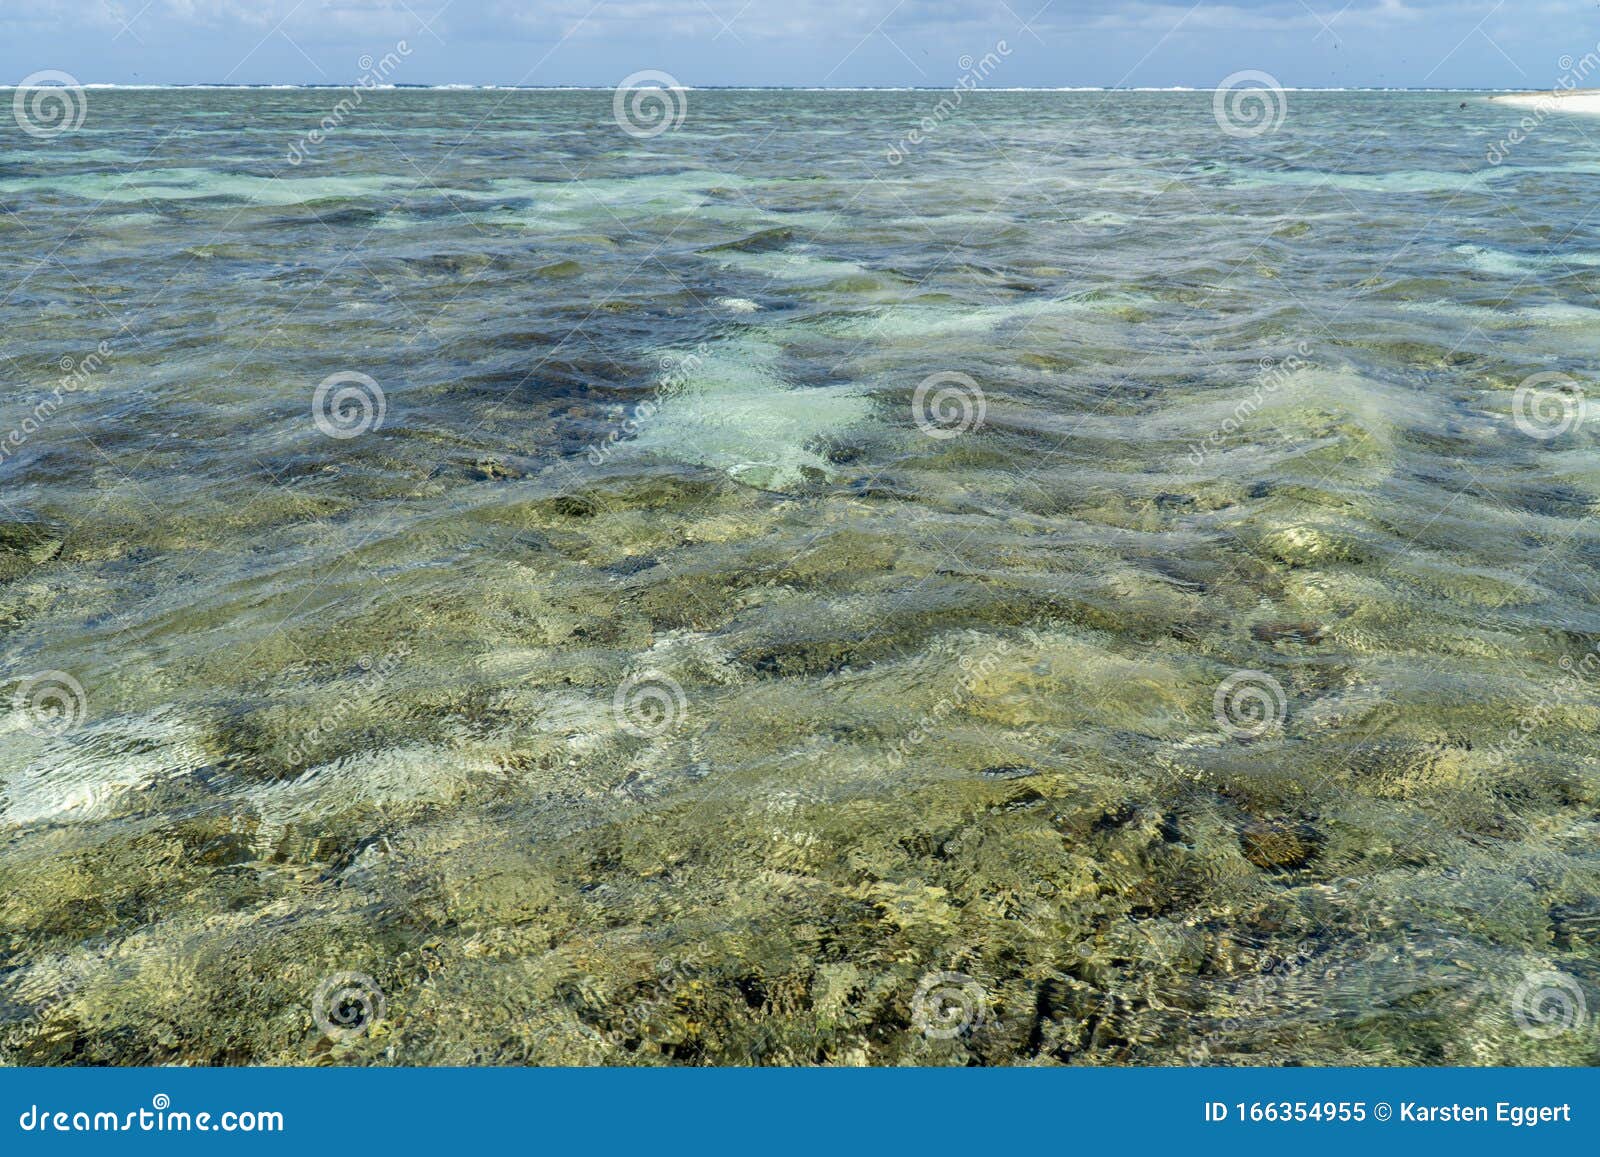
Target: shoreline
{"type": "Point", "coordinates": [1579, 100]}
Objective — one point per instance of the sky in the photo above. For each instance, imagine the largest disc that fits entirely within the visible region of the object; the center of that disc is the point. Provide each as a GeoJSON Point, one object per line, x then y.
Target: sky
{"type": "Point", "coordinates": [1048, 43]}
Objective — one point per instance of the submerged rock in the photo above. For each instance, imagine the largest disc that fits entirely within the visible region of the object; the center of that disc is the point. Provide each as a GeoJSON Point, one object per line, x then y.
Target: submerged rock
{"type": "Point", "coordinates": [1307, 634]}
{"type": "Point", "coordinates": [761, 242]}
{"type": "Point", "coordinates": [25, 545]}
{"type": "Point", "coordinates": [1276, 845]}
{"type": "Point", "coordinates": [37, 541]}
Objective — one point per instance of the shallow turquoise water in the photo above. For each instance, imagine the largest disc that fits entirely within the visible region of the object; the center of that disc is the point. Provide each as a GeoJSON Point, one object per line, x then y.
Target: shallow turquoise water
{"type": "Point", "coordinates": [1118, 563]}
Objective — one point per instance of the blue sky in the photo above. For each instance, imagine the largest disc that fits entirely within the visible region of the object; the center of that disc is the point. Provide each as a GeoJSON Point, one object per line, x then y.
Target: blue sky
{"type": "Point", "coordinates": [1467, 43]}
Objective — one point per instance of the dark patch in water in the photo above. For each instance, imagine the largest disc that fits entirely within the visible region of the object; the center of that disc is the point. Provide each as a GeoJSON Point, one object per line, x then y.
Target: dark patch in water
{"type": "Point", "coordinates": [1008, 771]}
{"type": "Point", "coordinates": [763, 242]}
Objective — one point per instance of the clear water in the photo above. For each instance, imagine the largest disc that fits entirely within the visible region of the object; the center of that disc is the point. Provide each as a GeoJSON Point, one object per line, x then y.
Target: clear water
{"type": "Point", "coordinates": [650, 687]}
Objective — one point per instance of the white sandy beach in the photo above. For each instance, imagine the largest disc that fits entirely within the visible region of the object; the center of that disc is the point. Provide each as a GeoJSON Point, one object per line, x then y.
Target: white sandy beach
{"type": "Point", "coordinates": [1582, 100]}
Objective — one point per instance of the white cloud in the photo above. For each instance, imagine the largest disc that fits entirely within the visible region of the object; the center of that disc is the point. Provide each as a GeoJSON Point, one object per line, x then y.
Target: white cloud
{"type": "Point", "coordinates": [645, 19]}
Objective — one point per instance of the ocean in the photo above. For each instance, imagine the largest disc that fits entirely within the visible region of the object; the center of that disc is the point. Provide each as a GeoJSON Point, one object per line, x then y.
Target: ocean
{"type": "Point", "coordinates": [763, 577]}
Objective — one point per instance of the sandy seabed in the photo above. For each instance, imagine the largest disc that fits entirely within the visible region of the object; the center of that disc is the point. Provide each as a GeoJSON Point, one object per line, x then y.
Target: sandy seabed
{"type": "Point", "coordinates": [1585, 100]}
